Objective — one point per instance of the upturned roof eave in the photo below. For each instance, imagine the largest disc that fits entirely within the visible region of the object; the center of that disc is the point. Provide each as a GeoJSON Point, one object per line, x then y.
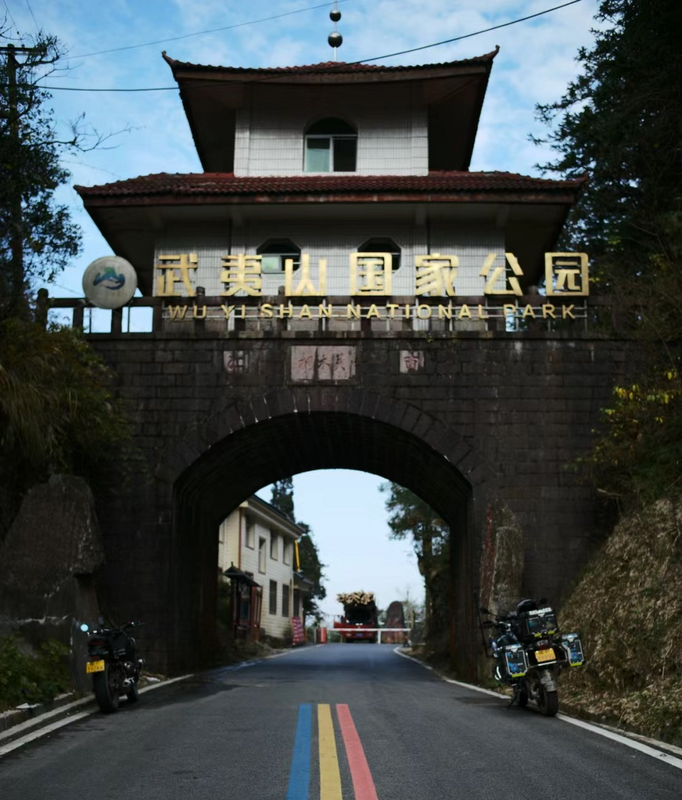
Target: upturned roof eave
{"type": "Point", "coordinates": [354, 72]}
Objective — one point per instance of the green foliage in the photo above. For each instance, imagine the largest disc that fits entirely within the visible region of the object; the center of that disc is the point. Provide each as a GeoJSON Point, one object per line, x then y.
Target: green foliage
{"type": "Point", "coordinates": [619, 123]}
{"type": "Point", "coordinates": [313, 569]}
{"type": "Point", "coordinates": [311, 566]}
{"type": "Point", "coordinates": [37, 236]}
{"type": "Point", "coordinates": [31, 678]}
{"type": "Point", "coordinates": [412, 518]}
{"type": "Point", "coordinates": [283, 496]}
{"type": "Point", "coordinates": [638, 456]}
{"type": "Point", "coordinates": [58, 413]}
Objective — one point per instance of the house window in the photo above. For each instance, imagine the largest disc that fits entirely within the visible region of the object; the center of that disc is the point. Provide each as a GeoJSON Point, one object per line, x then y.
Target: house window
{"type": "Point", "coordinates": [251, 534]}
{"type": "Point", "coordinates": [285, 599]}
{"type": "Point", "coordinates": [287, 553]}
{"type": "Point", "coordinates": [274, 546]}
{"type": "Point", "coordinates": [275, 253]}
{"type": "Point", "coordinates": [261, 555]}
{"type": "Point", "coordinates": [297, 602]}
{"type": "Point", "coordinates": [379, 244]}
{"type": "Point", "coordinates": [331, 146]}
{"type": "Point", "coordinates": [273, 597]}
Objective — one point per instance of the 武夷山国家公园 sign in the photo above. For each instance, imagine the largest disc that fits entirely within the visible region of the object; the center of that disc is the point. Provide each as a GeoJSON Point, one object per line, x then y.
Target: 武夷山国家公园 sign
{"type": "Point", "coordinates": [370, 275]}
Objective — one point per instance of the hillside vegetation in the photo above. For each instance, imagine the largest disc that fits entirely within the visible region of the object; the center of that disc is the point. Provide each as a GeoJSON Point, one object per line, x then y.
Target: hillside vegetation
{"type": "Point", "coordinates": [628, 610]}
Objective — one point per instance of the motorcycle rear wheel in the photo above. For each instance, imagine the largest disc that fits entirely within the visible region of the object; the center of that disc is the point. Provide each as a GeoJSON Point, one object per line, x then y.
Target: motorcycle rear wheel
{"type": "Point", "coordinates": [548, 702]}
{"type": "Point", "coordinates": [106, 688]}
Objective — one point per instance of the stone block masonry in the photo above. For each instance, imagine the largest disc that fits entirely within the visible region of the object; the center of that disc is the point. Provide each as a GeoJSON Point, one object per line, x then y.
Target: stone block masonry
{"type": "Point", "coordinates": [463, 421]}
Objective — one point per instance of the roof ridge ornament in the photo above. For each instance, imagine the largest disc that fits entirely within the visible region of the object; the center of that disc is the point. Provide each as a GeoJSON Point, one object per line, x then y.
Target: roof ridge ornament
{"type": "Point", "coordinates": [335, 39]}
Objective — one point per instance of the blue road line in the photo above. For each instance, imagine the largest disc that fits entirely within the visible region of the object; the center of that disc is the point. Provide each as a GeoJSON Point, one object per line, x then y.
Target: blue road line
{"type": "Point", "coordinates": [299, 777]}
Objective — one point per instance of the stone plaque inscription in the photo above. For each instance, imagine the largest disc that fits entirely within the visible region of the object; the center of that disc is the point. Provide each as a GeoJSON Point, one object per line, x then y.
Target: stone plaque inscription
{"type": "Point", "coordinates": [322, 363]}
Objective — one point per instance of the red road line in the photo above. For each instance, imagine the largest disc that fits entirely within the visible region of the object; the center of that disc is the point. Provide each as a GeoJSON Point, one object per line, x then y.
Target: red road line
{"type": "Point", "coordinates": [363, 785]}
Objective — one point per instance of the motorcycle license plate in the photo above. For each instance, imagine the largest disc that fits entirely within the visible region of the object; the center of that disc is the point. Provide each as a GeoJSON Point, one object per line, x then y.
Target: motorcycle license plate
{"type": "Point", "coordinates": [94, 666]}
{"type": "Point", "coordinates": [545, 655]}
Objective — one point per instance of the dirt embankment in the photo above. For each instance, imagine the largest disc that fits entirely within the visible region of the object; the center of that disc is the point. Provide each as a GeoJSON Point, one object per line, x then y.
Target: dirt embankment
{"type": "Point", "coordinates": [628, 610]}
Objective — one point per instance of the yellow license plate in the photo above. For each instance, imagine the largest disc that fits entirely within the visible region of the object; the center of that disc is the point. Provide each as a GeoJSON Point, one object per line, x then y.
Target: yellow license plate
{"type": "Point", "coordinates": [94, 666]}
{"type": "Point", "coordinates": [545, 655]}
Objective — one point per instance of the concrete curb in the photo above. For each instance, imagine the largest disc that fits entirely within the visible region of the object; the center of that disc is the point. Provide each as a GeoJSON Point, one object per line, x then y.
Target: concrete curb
{"type": "Point", "coordinates": [60, 712]}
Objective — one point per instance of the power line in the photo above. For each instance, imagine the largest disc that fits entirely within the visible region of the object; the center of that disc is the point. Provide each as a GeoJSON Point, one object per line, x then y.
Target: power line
{"type": "Point", "coordinates": [10, 14]}
{"type": "Point", "coordinates": [469, 35]}
{"type": "Point", "coordinates": [341, 64]}
{"type": "Point", "coordinates": [202, 33]}
{"type": "Point", "coordinates": [34, 16]}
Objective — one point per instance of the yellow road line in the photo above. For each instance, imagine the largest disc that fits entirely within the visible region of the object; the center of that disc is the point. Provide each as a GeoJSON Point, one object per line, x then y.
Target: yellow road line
{"type": "Point", "coordinates": [330, 777]}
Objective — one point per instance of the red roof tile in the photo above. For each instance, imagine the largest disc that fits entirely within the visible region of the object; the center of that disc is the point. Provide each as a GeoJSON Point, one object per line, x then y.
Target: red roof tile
{"type": "Point", "coordinates": [213, 185]}
{"type": "Point", "coordinates": [325, 66]}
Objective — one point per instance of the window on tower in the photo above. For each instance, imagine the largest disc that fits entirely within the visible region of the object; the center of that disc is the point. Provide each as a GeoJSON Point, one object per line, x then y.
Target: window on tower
{"type": "Point", "coordinates": [276, 252]}
{"type": "Point", "coordinates": [331, 146]}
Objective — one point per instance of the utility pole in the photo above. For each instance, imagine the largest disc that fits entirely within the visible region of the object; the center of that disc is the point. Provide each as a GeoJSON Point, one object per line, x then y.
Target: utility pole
{"type": "Point", "coordinates": [16, 278]}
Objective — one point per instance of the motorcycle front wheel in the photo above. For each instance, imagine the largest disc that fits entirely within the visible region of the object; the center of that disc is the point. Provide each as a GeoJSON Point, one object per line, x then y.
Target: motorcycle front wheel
{"type": "Point", "coordinates": [548, 702]}
{"type": "Point", "coordinates": [106, 687]}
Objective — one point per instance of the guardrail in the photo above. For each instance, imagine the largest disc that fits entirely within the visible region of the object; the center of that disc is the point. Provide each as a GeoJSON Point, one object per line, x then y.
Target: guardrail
{"type": "Point", "coordinates": [378, 631]}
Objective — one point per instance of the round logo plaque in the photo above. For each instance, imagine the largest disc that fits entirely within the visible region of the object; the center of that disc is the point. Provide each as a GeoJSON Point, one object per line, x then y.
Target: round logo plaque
{"type": "Point", "coordinates": [109, 282]}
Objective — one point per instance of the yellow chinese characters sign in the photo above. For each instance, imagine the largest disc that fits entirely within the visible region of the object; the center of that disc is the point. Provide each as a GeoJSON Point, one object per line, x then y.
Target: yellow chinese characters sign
{"type": "Point", "coordinates": [371, 275]}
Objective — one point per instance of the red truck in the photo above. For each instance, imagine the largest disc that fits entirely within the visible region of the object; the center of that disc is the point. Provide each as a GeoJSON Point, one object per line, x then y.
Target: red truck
{"type": "Point", "coordinates": [359, 615]}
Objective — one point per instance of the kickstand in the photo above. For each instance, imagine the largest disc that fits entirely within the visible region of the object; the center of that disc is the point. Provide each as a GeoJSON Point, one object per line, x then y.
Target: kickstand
{"type": "Point", "coordinates": [511, 702]}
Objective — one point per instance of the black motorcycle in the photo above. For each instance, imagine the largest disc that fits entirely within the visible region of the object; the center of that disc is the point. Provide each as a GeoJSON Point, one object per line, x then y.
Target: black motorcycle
{"type": "Point", "coordinates": [113, 664]}
{"type": "Point", "coordinates": [530, 652]}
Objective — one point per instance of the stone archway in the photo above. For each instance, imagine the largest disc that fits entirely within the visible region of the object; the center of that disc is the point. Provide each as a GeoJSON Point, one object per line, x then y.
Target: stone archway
{"type": "Point", "coordinates": [233, 453]}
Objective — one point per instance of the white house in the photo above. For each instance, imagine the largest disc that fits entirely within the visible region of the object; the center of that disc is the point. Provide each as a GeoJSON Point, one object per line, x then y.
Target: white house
{"type": "Point", "coordinates": [260, 541]}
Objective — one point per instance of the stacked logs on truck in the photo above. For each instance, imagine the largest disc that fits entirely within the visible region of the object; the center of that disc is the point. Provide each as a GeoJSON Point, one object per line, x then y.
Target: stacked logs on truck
{"type": "Point", "coordinates": [356, 598]}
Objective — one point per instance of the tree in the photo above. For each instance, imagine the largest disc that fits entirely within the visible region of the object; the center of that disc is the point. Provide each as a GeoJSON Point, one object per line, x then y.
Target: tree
{"type": "Point", "coordinates": [58, 412]}
{"type": "Point", "coordinates": [620, 121]}
{"type": "Point", "coordinates": [311, 567]}
{"type": "Point", "coordinates": [283, 496]}
{"type": "Point", "coordinates": [37, 236]}
{"type": "Point", "coordinates": [412, 518]}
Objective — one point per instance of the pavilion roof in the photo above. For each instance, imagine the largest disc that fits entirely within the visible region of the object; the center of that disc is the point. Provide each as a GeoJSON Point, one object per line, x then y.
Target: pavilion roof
{"type": "Point", "coordinates": [215, 187]}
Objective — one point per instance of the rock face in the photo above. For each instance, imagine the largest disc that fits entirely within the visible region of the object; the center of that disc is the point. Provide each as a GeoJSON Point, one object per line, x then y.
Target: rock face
{"type": "Point", "coordinates": [502, 563]}
{"type": "Point", "coordinates": [47, 562]}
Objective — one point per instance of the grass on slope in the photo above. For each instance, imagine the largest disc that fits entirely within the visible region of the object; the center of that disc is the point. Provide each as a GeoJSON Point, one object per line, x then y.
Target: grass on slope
{"type": "Point", "coordinates": [628, 610]}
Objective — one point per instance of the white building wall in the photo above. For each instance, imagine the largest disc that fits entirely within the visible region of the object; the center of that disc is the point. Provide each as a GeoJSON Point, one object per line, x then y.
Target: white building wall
{"type": "Point", "coordinates": [228, 542]}
{"type": "Point", "coordinates": [391, 123]}
{"type": "Point", "coordinates": [275, 569]}
{"type": "Point", "coordinates": [335, 242]}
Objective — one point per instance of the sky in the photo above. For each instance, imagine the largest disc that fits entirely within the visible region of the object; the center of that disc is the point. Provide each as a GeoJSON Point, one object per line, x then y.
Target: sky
{"type": "Point", "coordinates": [535, 63]}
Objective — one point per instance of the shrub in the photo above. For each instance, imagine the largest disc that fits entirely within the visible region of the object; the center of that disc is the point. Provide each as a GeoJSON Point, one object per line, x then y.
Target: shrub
{"type": "Point", "coordinates": [28, 678]}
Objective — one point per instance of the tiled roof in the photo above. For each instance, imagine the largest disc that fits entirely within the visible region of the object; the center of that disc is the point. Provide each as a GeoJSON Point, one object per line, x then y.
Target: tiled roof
{"type": "Point", "coordinates": [326, 66]}
{"type": "Point", "coordinates": [216, 184]}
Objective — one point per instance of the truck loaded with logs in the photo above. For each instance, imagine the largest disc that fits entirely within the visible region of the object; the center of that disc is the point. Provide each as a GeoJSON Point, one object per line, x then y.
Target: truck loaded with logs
{"type": "Point", "coordinates": [359, 619]}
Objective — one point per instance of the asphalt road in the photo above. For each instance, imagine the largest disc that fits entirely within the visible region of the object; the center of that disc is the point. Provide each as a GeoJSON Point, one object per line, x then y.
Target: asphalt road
{"type": "Point", "coordinates": [338, 721]}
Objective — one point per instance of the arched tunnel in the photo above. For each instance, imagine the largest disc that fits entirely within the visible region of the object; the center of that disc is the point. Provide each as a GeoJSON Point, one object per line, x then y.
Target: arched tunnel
{"type": "Point", "coordinates": [256, 455]}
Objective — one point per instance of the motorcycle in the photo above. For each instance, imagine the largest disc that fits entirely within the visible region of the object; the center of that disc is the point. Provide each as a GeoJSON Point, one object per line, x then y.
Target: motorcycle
{"type": "Point", "coordinates": [530, 652]}
{"type": "Point", "coordinates": [113, 663]}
